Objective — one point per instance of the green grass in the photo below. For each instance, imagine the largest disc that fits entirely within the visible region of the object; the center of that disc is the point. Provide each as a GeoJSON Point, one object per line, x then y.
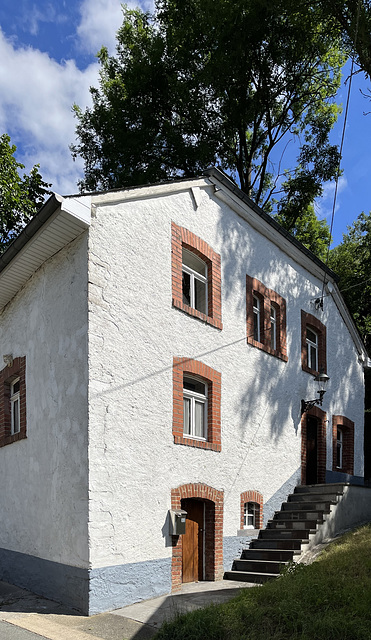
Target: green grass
{"type": "Point", "coordinates": [327, 600]}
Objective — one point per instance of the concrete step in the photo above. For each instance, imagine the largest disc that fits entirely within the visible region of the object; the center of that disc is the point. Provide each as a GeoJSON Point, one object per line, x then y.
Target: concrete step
{"type": "Point", "coordinates": [285, 534]}
{"type": "Point", "coordinates": [269, 554]}
{"type": "Point", "coordinates": [299, 515]}
{"type": "Point", "coordinates": [335, 487]}
{"type": "Point", "coordinates": [293, 544]}
{"type": "Point", "coordinates": [245, 576]}
{"type": "Point", "coordinates": [258, 566]}
{"type": "Point", "coordinates": [292, 524]}
{"type": "Point", "coordinates": [306, 506]}
{"type": "Point", "coordinates": [314, 497]}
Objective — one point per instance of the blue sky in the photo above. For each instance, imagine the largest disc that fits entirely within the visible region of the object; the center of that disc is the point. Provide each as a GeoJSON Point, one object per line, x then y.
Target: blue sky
{"type": "Point", "coordinates": [47, 53]}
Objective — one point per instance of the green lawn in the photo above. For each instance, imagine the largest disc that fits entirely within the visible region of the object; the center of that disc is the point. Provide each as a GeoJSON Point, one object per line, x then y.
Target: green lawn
{"type": "Point", "coordinates": [327, 600]}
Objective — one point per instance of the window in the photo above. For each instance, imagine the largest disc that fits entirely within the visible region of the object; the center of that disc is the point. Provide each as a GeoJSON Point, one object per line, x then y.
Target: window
{"type": "Point", "coordinates": [313, 344]}
{"type": "Point", "coordinates": [339, 448]}
{"type": "Point", "coordinates": [251, 515]}
{"type": "Point", "coordinates": [343, 444]}
{"type": "Point", "coordinates": [194, 281]}
{"type": "Point", "coordinates": [15, 418]}
{"type": "Point", "coordinates": [312, 349]}
{"type": "Point", "coordinates": [265, 318]}
{"type": "Point", "coordinates": [13, 402]}
{"type": "Point", "coordinates": [251, 510]}
{"type": "Point", "coordinates": [196, 409]}
{"type": "Point", "coordinates": [196, 277]}
{"type": "Point", "coordinates": [273, 327]}
{"type": "Point", "coordinates": [257, 317]}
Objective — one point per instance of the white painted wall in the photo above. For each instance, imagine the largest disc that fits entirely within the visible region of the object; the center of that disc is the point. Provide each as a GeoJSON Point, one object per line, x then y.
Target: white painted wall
{"type": "Point", "coordinates": [133, 335]}
{"type": "Point", "coordinates": [44, 490]}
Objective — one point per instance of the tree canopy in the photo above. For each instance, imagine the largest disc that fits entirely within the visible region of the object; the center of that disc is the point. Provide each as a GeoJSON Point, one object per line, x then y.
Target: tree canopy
{"type": "Point", "coordinates": [351, 260]}
{"type": "Point", "coordinates": [207, 82]}
{"type": "Point", "coordinates": [20, 197]}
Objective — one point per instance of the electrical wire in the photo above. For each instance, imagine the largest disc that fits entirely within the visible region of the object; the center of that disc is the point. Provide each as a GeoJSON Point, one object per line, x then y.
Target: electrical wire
{"type": "Point", "coordinates": [341, 151]}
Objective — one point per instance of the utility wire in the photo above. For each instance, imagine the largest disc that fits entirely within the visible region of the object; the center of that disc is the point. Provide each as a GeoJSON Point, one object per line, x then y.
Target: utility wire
{"type": "Point", "coordinates": [341, 151]}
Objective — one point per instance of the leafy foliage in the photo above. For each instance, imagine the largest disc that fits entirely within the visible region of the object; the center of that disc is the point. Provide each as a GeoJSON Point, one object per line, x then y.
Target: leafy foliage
{"type": "Point", "coordinates": [351, 260]}
{"type": "Point", "coordinates": [217, 82]}
{"type": "Point", "coordinates": [310, 231]}
{"type": "Point", "coordinates": [20, 197]}
{"type": "Point", "coordinates": [327, 600]}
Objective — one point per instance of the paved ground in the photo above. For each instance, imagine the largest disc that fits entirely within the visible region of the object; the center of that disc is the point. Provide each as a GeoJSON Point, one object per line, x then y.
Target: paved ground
{"type": "Point", "coordinates": [26, 616]}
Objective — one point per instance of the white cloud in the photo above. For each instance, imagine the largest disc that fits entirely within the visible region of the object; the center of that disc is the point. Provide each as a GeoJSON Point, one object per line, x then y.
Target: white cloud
{"type": "Point", "coordinates": [37, 92]}
{"type": "Point", "coordinates": [32, 19]}
{"type": "Point", "coordinates": [100, 21]}
{"type": "Point", "coordinates": [36, 97]}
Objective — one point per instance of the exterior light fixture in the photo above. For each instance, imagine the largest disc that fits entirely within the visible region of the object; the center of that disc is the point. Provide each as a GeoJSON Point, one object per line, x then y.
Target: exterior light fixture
{"type": "Point", "coordinates": [322, 379]}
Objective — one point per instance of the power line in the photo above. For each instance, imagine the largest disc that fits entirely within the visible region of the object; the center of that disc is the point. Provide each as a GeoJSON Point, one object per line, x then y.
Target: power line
{"type": "Point", "coordinates": [341, 152]}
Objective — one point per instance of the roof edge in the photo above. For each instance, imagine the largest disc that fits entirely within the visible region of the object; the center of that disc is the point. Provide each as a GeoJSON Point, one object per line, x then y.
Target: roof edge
{"type": "Point", "coordinates": [213, 172]}
{"type": "Point", "coordinates": [30, 230]}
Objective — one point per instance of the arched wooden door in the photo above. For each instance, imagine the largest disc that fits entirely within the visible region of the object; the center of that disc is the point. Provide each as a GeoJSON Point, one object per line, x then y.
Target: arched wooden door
{"type": "Point", "coordinates": [193, 541]}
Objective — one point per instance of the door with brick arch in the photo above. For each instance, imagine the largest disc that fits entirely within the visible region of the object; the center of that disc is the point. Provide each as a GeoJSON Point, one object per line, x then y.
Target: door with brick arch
{"type": "Point", "coordinates": [193, 541]}
{"type": "Point", "coordinates": [312, 450]}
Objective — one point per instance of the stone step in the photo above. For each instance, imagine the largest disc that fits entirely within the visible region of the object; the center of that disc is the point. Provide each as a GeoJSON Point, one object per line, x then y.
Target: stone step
{"type": "Point", "coordinates": [279, 544]}
{"type": "Point", "coordinates": [297, 534]}
{"type": "Point", "coordinates": [245, 576]}
{"type": "Point", "coordinates": [269, 554]}
{"type": "Point", "coordinates": [292, 524]}
{"type": "Point", "coordinates": [335, 487]}
{"type": "Point", "coordinates": [313, 497]}
{"type": "Point", "coordinates": [306, 506]}
{"type": "Point", "coordinates": [299, 515]}
{"type": "Point", "coordinates": [258, 566]}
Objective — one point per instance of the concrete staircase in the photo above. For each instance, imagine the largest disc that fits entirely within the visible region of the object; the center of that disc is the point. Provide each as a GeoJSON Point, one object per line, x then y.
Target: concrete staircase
{"type": "Point", "coordinates": [288, 535]}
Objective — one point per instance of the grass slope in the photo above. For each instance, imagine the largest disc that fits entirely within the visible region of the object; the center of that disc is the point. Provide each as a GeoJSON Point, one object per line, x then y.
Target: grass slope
{"type": "Point", "coordinates": [327, 600]}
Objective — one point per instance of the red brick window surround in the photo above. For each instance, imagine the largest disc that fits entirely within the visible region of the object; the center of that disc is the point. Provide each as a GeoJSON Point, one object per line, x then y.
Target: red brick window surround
{"type": "Point", "coordinates": [182, 238]}
{"type": "Point", "coordinates": [308, 321]}
{"type": "Point", "coordinates": [346, 427]}
{"type": "Point", "coordinates": [212, 378]}
{"type": "Point", "coordinates": [272, 334]}
{"type": "Point", "coordinates": [213, 500]}
{"type": "Point", "coordinates": [13, 377]}
{"type": "Point", "coordinates": [257, 499]}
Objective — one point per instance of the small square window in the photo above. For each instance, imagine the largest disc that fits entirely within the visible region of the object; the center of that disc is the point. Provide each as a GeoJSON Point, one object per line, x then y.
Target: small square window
{"type": "Point", "coordinates": [251, 515]}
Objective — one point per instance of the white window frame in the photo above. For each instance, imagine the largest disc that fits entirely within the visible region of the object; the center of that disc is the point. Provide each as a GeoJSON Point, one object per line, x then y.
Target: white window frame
{"type": "Point", "coordinates": [256, 308]}
{"type": "Point", "coordinates": [250, 514]}
{"type": "Point", "coordinates": [15, 408]}
{"type": "Point", "coordinates": [194, 397]}
{"type": "Point", "coordinates": [194, 275]}
{"type": "Point", "coordinates": [312, 345]}
{"type": "Point", "coordinates": [273, 320]}
{"type": "Point", "coordinates": [339, 447]}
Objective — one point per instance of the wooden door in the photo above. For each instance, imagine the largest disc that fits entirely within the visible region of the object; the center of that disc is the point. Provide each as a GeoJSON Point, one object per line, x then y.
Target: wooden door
{"type": "Point", "coordinates": [312, 467]}
{"type": "Point", "coordinates": [192, 541]}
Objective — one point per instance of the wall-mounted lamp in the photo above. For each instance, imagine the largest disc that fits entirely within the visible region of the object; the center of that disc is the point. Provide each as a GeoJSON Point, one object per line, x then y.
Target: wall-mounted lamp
{"type": "Point", "coordinates": [322, 379]}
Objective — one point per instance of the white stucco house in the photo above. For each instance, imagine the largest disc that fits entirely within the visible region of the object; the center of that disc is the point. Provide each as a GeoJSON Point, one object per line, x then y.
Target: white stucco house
{"type": "Point", "coordinates": [156, 344]}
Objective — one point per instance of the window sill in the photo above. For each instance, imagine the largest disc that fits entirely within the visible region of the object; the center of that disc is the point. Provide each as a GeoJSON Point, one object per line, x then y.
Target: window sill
{"type": "Point", "coordinates": [248, 533]}
{"type": "Point", "coordinates": [200, 444]}
{"type": "Point", "coordinates": [273, 352]}
{"type": "Point", "coordinates": [197, 314]}
{"type": "Point", "coordinates": [13, 438]}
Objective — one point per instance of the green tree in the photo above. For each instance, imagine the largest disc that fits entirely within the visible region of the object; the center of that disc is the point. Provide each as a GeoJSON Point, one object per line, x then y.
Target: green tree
{"type": "Point", "coordinates": [310, 231]}
{"type": "Point", "coordinates": [217, 82]}
{"type": "Point", "coordinates": [351, 260]}
{"type": "Point", "coordinates": [20, 197]}
{"type": "Point", "coordinates": [353, 17]}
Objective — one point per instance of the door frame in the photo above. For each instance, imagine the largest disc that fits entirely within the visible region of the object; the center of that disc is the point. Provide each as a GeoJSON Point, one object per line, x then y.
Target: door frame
{"type": "Point", "coordinates": [321, 416]}
{"type": "Point", "coordinates": [213, 541]}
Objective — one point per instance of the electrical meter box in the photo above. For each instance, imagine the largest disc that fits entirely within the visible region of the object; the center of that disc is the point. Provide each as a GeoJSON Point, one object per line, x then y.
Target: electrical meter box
{"type": "Point", "coordinates": [177, 522]}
